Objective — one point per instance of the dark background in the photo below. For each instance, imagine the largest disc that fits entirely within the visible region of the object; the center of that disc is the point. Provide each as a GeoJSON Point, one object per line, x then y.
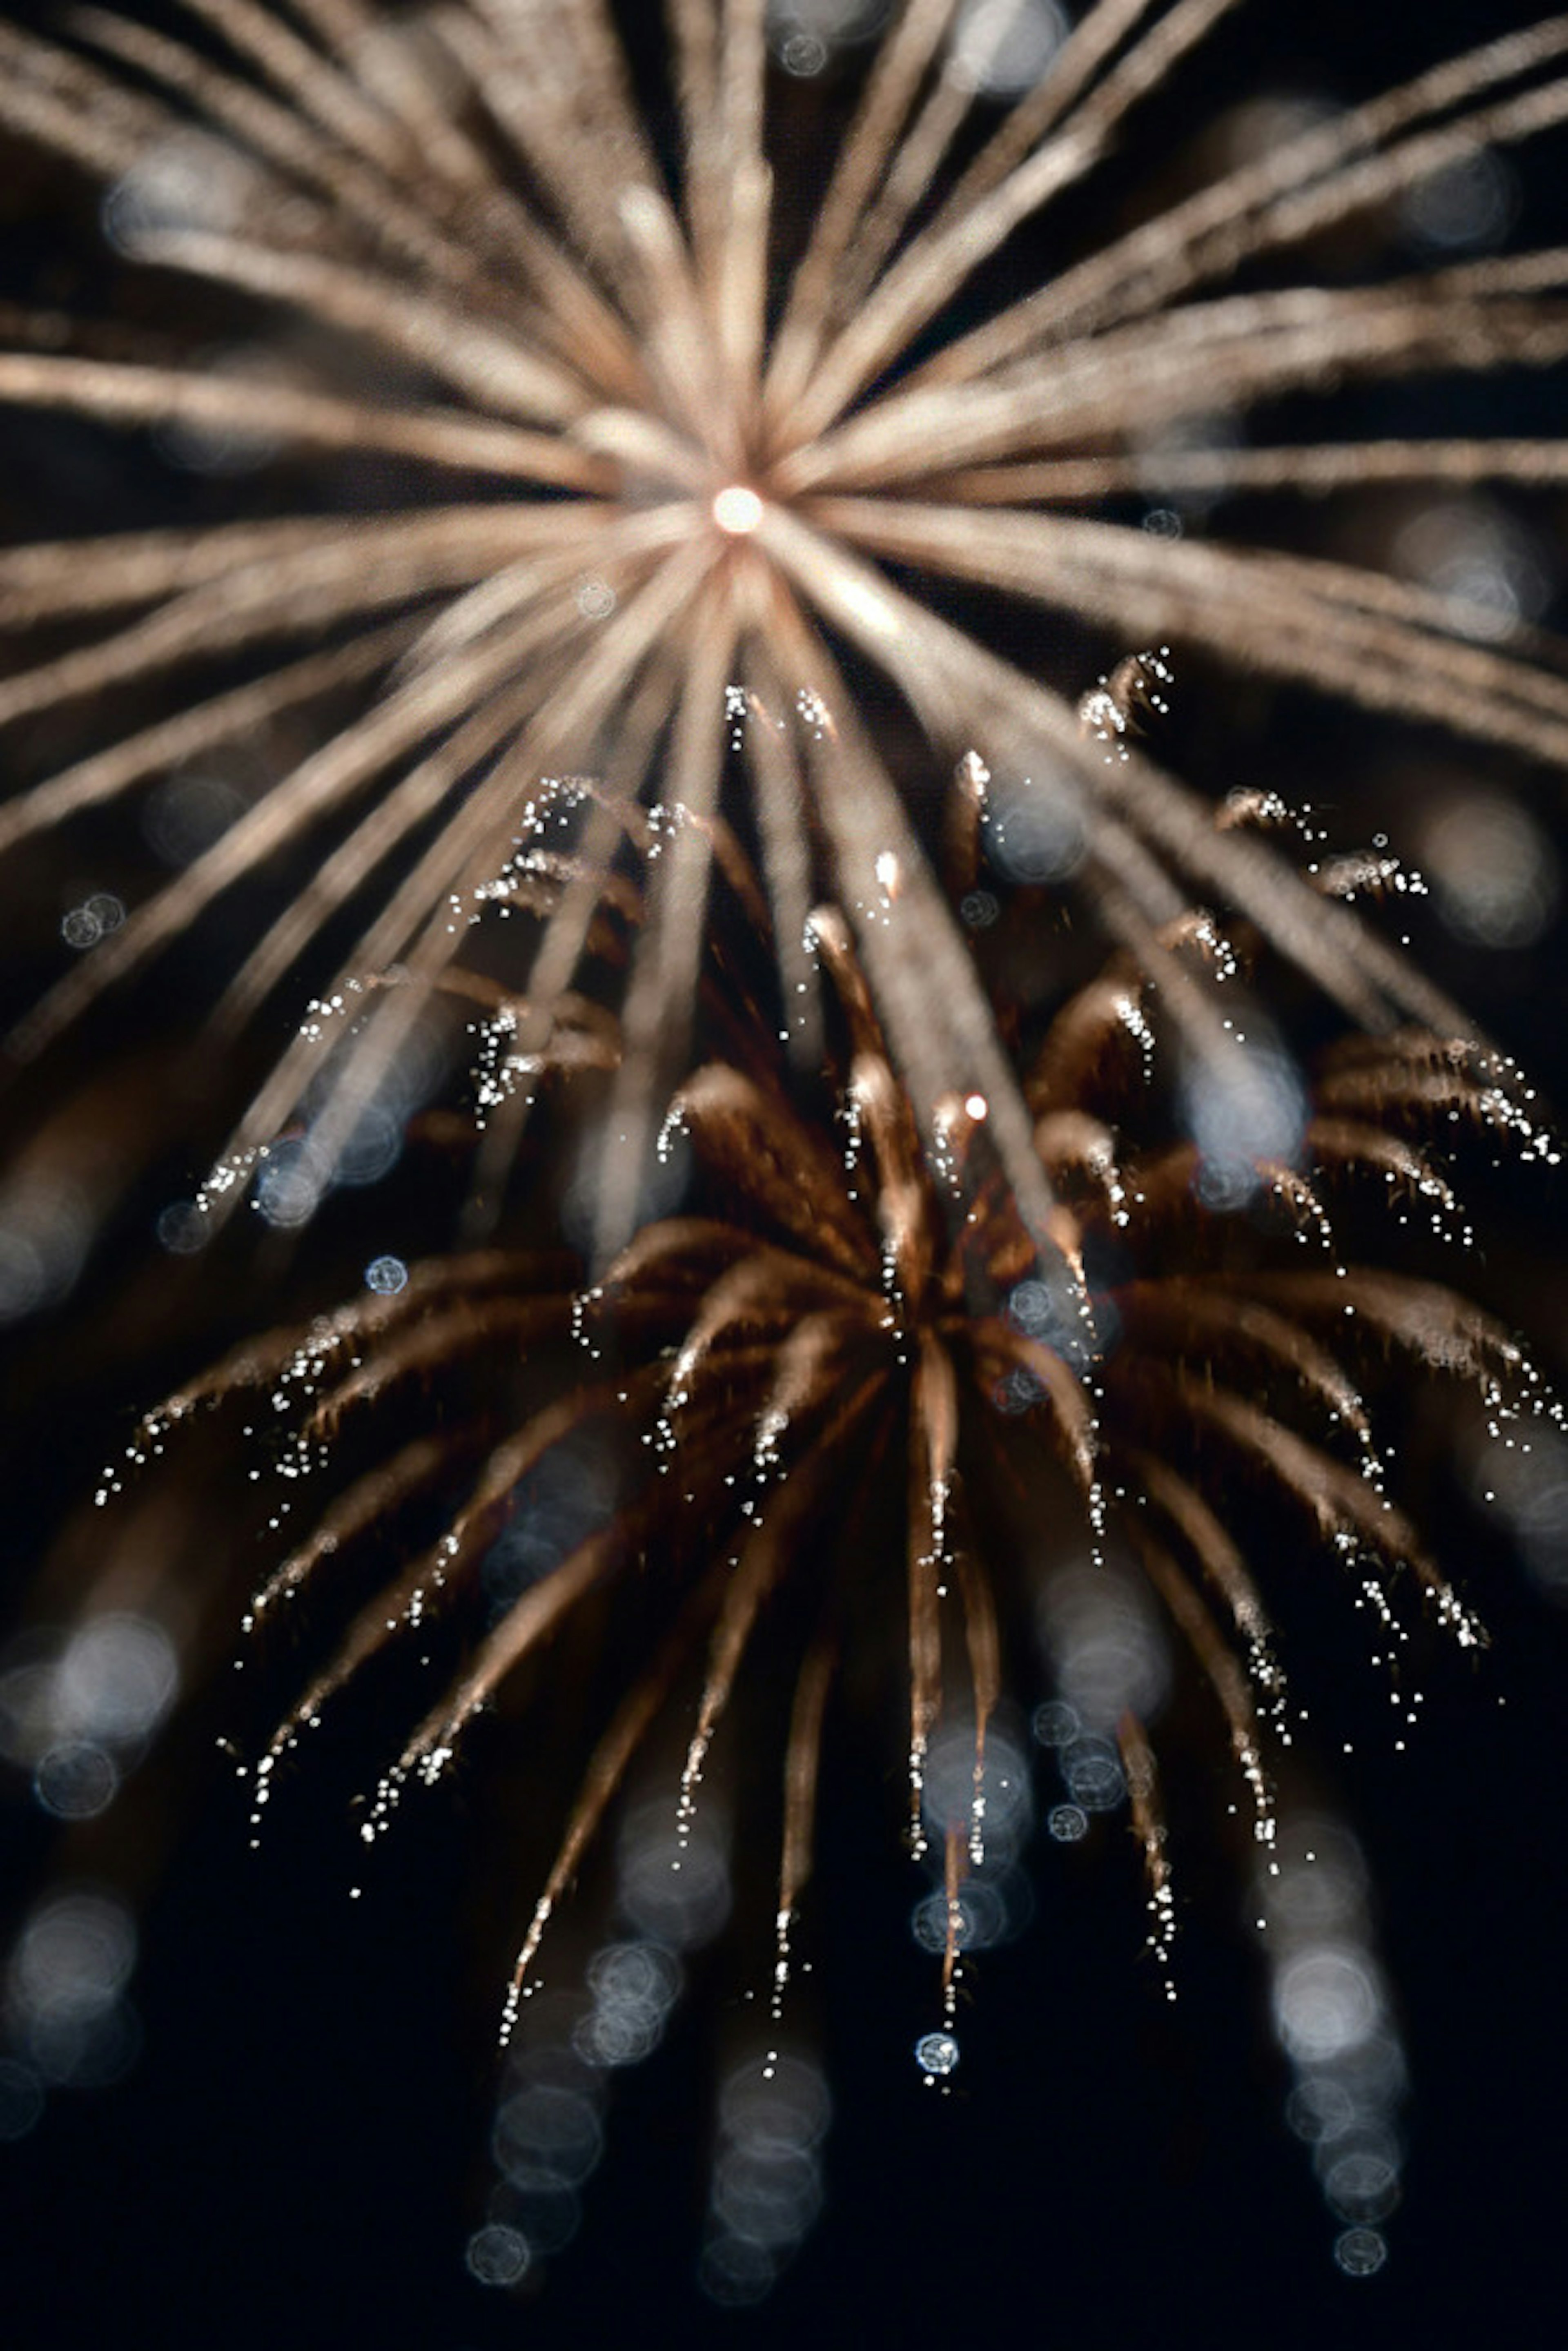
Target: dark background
{"type": "Point", "coordinates": [299, 2154]}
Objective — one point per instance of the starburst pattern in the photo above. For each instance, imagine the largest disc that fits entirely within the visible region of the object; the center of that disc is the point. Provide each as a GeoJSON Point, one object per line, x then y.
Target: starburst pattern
{"type": "Point", "coordinates": [603, 529]}
{"type": "Point", "coordinates": [677, 467]}
{"type": "Point", "coordinates": [837, 1390]}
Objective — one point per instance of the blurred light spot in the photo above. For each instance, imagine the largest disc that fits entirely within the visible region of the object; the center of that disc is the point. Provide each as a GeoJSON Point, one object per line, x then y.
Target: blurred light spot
{"type": "Point", "coordinates": [978, 909]}
{"type": "Point", "coordinates": [373, 1147]}
{"type": "Point", "coordinates": [1092, 1770]}
{"type": "Point", "coordinates": [1055, 1724]}
{"type": "Point", "coordinates": [497, 2255]}
{"type": "Point", "coordinates": [64, 1983]}
{"type": "Point", "coordinates": [222, 447]}
{"type": "Point", "coordinates": [547, 2217]}
{"type": "Point", "coordinates": [734, 2271]}
{"type": "Point", "coordinates": [185, 814]}
{"type": "Point", "coordinates": [936, 2053]}
{"type": "Point", "coordinates": [1034, 832]}
{"type": "Point", "coordinates": [1068, 1823]}
{"type": "Point", "coordinates": [1467, 207]}
{"type": "Point", "coordinates": [665, 1175]}
{"type": "Point", "coordinates": [1531, 1489]}
{"type": "Point", "coordinates": [189, 181]}
{"type": "Point", "coordinates": [1001, 48]}
{"type": "Point", "coordinates": [1361, 2252]}
{"type": "Point", "coordinates": [1477, 557]}
{"type": "Point", "coordinates": [76, 1781]}
{"type": "Point", "coordinates": [1324, 2004]}
{"type": "Point", "coordinates": [767, 2185]}
{"type": "Point", "coordinates": [546, 2135]}
{"type": "Point", "coordinates": [565, 1498]}
{"type": "Point", "coordinates": [991, 1910]}
{"type": "Point", "coordinates": [290, 1184]}
{"type": "Point", "coordinates": [1493, 869]}
{"type": "Point", "coordinates": [1321, 2108]}
{"type": "Point", "coordinates": [386, 1276]}
{"type": "Point", "coordinates": [1333, 2021]}
{"type": "Point", "coordinates": [1163, 522]}
{"type": "Point", "coordinates": [44, 1236]}
{"type": "Point", "coordinates": [804, 34]}
{"type": "Point", "coordinates": [183, 1228]}
{"type": "Point", "coordinates": [675, 1891]}
{"type": "Point", "coordinates": [947, 1798]}
{"type": "Point", "coordinates": [634, 1987]}
{"type": "Point", "coordinates": [71, 1713]}
{"type": "Point", "coordinates": [117, 1678]}
{"type": "Point", "coordinates": [1246, 1107]}
{"type": "Point", "coordinates": [94, 919]}
{"type": "Point", "coordinates": [785, 2105]}
{"type": "Point", "coordinates": [1362, 2184]}
{"type": "Point", "coordinates": [1106, 1647]}
{"type": "Point", "coordinates": [21, 2099]}
{"type": "Point", "coordinates": [595, 599]}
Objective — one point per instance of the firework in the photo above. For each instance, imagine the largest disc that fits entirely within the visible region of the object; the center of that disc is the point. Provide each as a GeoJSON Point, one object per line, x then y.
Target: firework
{"type": "Point", "coordinates": [841, 1390]}
{"type": "Point", "coordinates": [585, 514]}
{"type": "Point", "coordinates": [630, 445]}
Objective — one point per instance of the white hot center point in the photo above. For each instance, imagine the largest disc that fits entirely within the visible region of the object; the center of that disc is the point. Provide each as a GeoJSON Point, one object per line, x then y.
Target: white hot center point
{"type": "Point", "coordinates": [737, 510]}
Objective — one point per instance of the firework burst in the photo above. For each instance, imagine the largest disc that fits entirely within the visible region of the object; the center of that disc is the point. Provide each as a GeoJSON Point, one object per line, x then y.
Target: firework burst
{"type": "Point", "coordinates": [695, 443]}
{"type": "Point", "coordinates": [838, 1391]}
{"type": "Point", "coordinates": [586, 516]}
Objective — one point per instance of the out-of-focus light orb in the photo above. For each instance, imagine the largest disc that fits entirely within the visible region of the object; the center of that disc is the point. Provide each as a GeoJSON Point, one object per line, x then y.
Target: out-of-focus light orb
{"type": "Point", "coordinates": [674, 1889]}
{"type": "Point", "coordinates": [1092, 1770]}
{"type": "Point", "coordinates": [94, 919]}
{"type": "Point", "coordinates": [21, 2099]}
{"type": "Point", "coordinates": [564, 1499]}
{"type": "Point", "coordinates": [1003, 47]}
{"type": "Point", "coordinates": [948, 1792]}
{"type": "Point", "coordinates": [497, 2255]}
{"type": "Point", "coordinates": [1530, 1487]}
{"type": "Point", "coordinates": [804, 34]}
{"type": "Point", "coordinates": [1105, 1645]}
{"type": "Point", "coordinates": [766, 2187]}
{"type": "Point", "coordinates": [1492, 869]}
{"type": "Point", "coordinates": [1477, 557]}
{"type": "Point", "coordinates": [547, 2135]}
{"type": "Point", "coordinates": [64, 2008]}
{"type": "Point", "coordinates": [76, 1781]}
{"type": "Point", "coordinates": [1034, 830]}
{"type": "Point", "coordinates": [183, 1228]}
{"type": "Point", "coordinates": [386, 1276]}
{"type": "Point", "coordinates": [1467, 207]}
{"type": "Point", "coordinates": [1068, 1823]}
{"type": "Point", "coordinates": [634, 1986]}
{"type": "Point", "coordinates": [1244, 1109]}
{"type": "Point", "coordinates": [1325, 2003]}
{"type": "Point", "coordinates": [191, 180]}
{"type": "Point", "coordinates": [1361, 2252]}
{"type": "Point", "coordinates": [43, 1231]}
{"type": "Point", "coordinates": [936, 2054]}
{"type": "Point", "coordinates": [595, 599]}
{"type": "Point", "coordinates": [187, 813]}
{"type": "Point", "coordinates": [117, 1678]}
{"type": "Point", "coordinates": [1361, 2183]}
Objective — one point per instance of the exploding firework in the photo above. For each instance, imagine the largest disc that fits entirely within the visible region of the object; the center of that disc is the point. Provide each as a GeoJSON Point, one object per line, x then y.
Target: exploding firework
{"type": "Point", "coordinates": [577, 513]}
{"type": "Point", "coordinates": [696, 439]}
{"type": "Point", "coordinates": [841, 1390]}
